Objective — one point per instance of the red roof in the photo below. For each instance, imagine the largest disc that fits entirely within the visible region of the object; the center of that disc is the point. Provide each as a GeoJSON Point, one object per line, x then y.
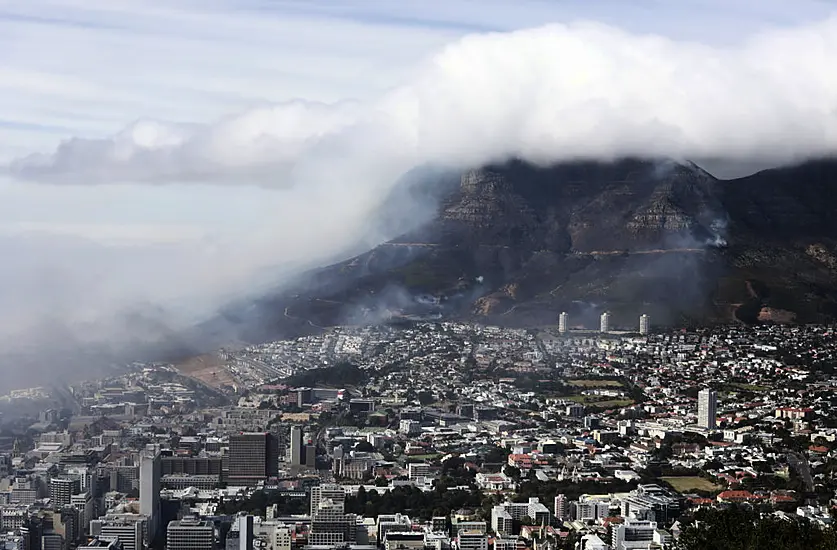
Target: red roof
{"type": "Point", "coordinates": [736, 495]}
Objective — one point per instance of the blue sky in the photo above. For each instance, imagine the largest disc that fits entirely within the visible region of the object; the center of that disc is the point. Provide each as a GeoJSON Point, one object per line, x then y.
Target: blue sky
{"type": "Point", "coordinates": [148, 95]}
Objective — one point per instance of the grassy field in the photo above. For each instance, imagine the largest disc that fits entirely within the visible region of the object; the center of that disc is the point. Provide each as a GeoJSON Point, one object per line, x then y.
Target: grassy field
{"type": "Point", "coordinates": [684, 484]}
{"type": "Point", "coordinates": [587, 383]}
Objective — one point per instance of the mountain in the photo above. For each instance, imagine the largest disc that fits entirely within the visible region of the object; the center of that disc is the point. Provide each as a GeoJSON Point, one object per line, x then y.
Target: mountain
{"type": "Point", "coordinates": [517, 244]}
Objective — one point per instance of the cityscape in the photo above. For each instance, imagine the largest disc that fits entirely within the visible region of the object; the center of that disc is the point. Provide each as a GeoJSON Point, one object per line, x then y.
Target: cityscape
{"type": "Point", "coordinates": [418, 275]}
{"type": "Point", "coordinates": [430, 435]}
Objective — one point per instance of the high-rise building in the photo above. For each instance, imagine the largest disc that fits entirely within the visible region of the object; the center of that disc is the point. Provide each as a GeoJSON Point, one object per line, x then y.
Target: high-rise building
{"type": "Point", "coordinates": [330, 525]}
{"type": "Point", "coordinates": [246, 533]}
{"type": "Point", "coordinates": [644, 324]}
{"type": "Point", "coordinates": [707, 408]}
{"type": "Point", "coordinates": [326, 491]}
{"type": "Point", "coordinates": [62, 490]}
{"type": "Point", "coordinates": [604, 322]}
{"type": "Point", "coordinates": [150, 475]}
{"type": "Point", "coordinates": [563, 322]}
{"type": "Point", "coordinates": [83, 502]}
{"type": "Point", "coordinates": [190, 534]}
{"type": "Point", "coordinates": [560, 508]}
{"type": "Point", "coordinates": [253, 457]}
{"type": "Point", "coordinates": [295, 447]}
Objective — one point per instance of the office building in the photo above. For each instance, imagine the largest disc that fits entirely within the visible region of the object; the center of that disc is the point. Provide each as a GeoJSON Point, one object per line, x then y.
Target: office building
{"type": "Point", "coordinates": [518, 510]}
{"type": "Point", "coordinates": [589, 508]}
{"type": "Point", "coordinates": [560, 509]}
{"type": "Point", "coordinates": [129, 531]}
{"type": "Point", "coordinates": [644, 324]}
{"type": "Point", "coordinates": [246, 533]}
{"type": "Point", "coordinates": [416, 470]}
{"type": "Point", "coordinates": [330, 525]}
{"type": "Point", "coordinates": [563, 322]}
{"type": "Point", "coordinates": [502, 521]}
{"type": "Point", "coordinates": [295, 449]}
{"type": "Point", "coordinates": [83, 502]}
{"type": "Point", "coordinates": [633, 534]}
{"type": "Point", "coordinates": [396, 523]}
{"type": "Point", "coordinates": [253, 457]}
{"type": "Point", "coordinates": [472, 540]}
{"type": "Point", "coordinates": [604, 322]}
{"type": "Point", "coordinates": [62, 489]}
{"type": "Point", "coordinates": [409, 427]}
{"type": "Point", "coordinates": [190, 534]}
{"type": "Point", "coordinates": [707, 405]}
{"type": "Point", "coordinates": [150, 476]}
{"type": "Point", "coordinates": [652, 503]}
{"type": "Point", "coordinates": [326, 491]}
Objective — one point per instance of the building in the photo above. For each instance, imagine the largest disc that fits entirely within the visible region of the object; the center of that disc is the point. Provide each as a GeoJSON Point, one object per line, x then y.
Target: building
{"type": "Point", "coordinates": [190, 534]}
{"type": "Point", "coordinates": [102, 543]}
{"type": "Point", "coordinates": [707, 405]}
{"type": "Point", "coordinates": [130, 532]}
{"type": "Point", "coordinates": [275, 534]}
{"type": "Point", "coordinates": [644, 324]}
{"type": "Point", "coordinates": [150, 476]}
{"type": "Point", "coordinates": [246, 533]}
{"type": "Point", "coordinates": [83, 502]}
{"type": "Point", "coordinates": [652, 503]}
{"type": "Point", "coordinates": [590, 508]}
{"type": "Point", "coordinates": [416, 470]}
{"type": "Point", "coordinates": [604, 322]}
{"type": "Point", "coordinates": [396, 523]}
{"type": "Point", "coordinates": [472, 540]}
{"type": "Point", "coordinates": [328, 490]}
{"type": "Point", "coordinates": [409, 427]}
{"type": "Point", "coordinates": [502, 521]}
{"type": "Point", "coordinates": [330, 525]}
{"type": "Point", "coordinates": [560, 510]}
{"type": "Point", "coordinates": [62, 489]}
{"type": "Point", "coordinates": [253, 457]}
{"type": "Point", "coordinates": [404, 541]}
{"type": "Point", "coordinates": [295, 449]}
{"type": "Point", "coordinates": [516, 511]}
{"type": "Point", "coordinates": [592, 542]}
{"type": "Point", "coordinates": [563, 322]}
{"type": "Point", "coordinates": [633, 534]}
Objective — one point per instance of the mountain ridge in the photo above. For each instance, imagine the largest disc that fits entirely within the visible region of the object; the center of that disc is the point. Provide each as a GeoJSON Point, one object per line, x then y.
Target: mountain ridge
{"type": "Point", "coordinates": [517, 243]}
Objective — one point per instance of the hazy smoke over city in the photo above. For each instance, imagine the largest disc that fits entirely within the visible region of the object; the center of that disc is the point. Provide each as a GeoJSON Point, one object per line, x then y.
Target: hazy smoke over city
{"type": "Point", "coordinates": [556, 93]}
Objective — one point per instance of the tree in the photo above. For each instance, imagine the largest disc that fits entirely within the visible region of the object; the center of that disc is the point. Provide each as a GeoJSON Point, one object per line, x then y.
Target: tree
{"type": "Point", "coordinates": [365, 447]}
{"type": "Point", "coordinates": [740, 529]}
{"type": "Point", "coordinates": [513, 472]}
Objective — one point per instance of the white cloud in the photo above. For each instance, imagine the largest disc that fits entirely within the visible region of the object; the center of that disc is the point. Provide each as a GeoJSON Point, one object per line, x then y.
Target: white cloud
{"type": "Point", "coordinates": [547, 94]}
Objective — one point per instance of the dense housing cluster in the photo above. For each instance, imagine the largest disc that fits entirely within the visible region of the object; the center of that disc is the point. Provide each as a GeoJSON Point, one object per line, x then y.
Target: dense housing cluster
{"type": "Point", "coordinates": [430, 435]}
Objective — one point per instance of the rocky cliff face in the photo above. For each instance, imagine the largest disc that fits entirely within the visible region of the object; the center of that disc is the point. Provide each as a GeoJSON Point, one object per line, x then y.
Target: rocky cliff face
{"type": "Point", "coordinates": [516, 243]}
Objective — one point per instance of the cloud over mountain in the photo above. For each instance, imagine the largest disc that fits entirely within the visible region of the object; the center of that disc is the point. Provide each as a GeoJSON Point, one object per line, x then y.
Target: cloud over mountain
{"type": "Point", "coordinates": [548, 94]}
